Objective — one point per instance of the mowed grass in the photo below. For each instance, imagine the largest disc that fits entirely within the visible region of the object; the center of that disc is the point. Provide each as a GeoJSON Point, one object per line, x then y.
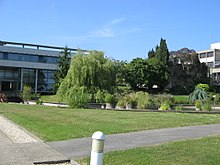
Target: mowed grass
{"type": "Point", "coordinates": [50, 98]}
{"type": "Point", "coordinates": [52, 124]}
{"type": "Point", "coordinates": [203, 151]}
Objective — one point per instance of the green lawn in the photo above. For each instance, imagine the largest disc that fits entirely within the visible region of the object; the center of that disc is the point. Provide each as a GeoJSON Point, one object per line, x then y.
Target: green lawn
{"type": "Point", "coordinates": [50, 98]}
{"type": "Point", "coordinates": [182, 99]}
{"type": "Point", "coordinates": [51, 123]}
{"type": "Point", "coordinates": [203, 151]}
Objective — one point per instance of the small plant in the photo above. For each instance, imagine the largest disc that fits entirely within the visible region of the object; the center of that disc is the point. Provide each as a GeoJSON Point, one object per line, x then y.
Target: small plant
{"type": "Point", "coordinates": [26, 93]}
{"type": "Point", "coordinates": [198, 94]}
{"type": "Point", "coordinates": [143, 100]}
{"type": "Point", "coordinates": [207, 107]}
{"type": "Point", "coordinates": [39, 102]}
{"type": "Point", "coordinates": [130, 100]}
{"type": "Point", "coordinates": [179, 108]}
{"type": "Point", "coordinates": [165, 106]}
{"type": "Point", "coordinates": [100, 96]}
{"type": "Point", "coordinates": [78, 97]}
{"type": "Point", "coordinates": [121, 103]}
{"type": "Point", "coordinates": [198, 105]}
{"type": "Point", "coordinates": [109, 98]}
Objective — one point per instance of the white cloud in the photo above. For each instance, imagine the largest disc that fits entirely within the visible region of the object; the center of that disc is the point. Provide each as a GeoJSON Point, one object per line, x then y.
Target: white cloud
{"type": "Point", "coordinates": [118, 20]}
{"type": "Point", "coordinates": [111, 29]}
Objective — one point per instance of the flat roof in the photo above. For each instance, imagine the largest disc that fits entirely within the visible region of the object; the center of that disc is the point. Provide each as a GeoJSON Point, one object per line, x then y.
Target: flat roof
{"type": "Point", "coordinates": [37, 46]}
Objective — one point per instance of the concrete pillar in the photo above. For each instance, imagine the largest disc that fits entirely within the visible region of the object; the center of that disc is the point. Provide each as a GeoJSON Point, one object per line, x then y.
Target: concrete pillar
{"type": "Point", "coordinates": [36, 80]}
{"type": "Point", "coordinates": [22, 75]}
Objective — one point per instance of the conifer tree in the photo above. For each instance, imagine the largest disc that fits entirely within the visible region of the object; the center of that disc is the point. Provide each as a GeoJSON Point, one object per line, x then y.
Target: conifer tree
{"type": "Point", "coordinates": [63, 67]}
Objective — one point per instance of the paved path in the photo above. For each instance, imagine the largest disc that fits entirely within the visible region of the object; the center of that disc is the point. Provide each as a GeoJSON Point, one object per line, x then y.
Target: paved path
{"type": "Point", "coordinates": [81, 147]}
{"type": "Point", "coordinates": [18, 147]}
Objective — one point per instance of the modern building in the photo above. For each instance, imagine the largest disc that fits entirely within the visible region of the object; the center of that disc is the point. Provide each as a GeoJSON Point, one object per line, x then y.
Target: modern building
{"type": "Point", "coordinates": [211, 58]}
{"type": "Point", "coordinates": [30, 64]}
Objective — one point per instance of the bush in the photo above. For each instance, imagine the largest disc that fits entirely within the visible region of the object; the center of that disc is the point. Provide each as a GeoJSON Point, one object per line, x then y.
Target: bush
{"type": "Point", "coordinates": [204, 87]}
{"type": "Point", "coordinates": [158, 100]}
{"type": "Point", "coordinates": [207, 107]}
{"type": "Point", "coordinates": [100, 96]}
{"type": "Point", "coordinates": [109, 98]}
{"type": "Point", "coordinates": [198, 94]}
{"type": "Point", "coordinates": [26, 94]}
{"type": "Point", "coordinates": [130, 100]}
{"type": "Point", "coordinates": [165, 106]}
{"type": "Point", "coordinates": [198, 104]}
{"type": "Point", "coordinates": [77, 97]}
{"type": "Point", "coordinates": [121, 103]}
{"type": "Point", "coordinates": [217, 99]}
{"type": "Point", "coordinates": [143, 100]}
{"type": "Point", "coordinates": [179, 108]}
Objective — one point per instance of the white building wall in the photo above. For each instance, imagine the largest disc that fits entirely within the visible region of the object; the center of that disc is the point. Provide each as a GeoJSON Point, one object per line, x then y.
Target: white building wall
{"type": "Point", "coordinates": [215, 45]}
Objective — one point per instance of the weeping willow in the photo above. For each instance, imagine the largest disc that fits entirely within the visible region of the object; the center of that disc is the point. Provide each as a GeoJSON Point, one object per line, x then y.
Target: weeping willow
{"type": "Point", "coordinates": [90, 71]}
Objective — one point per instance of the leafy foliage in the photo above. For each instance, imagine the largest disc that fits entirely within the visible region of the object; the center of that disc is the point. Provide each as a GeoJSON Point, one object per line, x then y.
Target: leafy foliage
{"type": "Point", "coordinates": [157, 74]}
{"type": "Point", "coordinates": [204, 87]}
{"type": "Point", "coordinates": [26, 93]}
{"type": "Point", "coordinates": [198, 94]}
{"type": "Point", "coordinates": [137, 73]}
{"type": "Point", "coordinates": [77, 97]}
{"type": "Point", "coordinates": [162, 52]}
{"type": "Point", "coordinates": [143, 100]}
{"type": "Point", "coordinates": [63, 67]}
{"type": "Point", "coordinates": [91, 71]}
{"type": "Point", "coordinates": [186, 71]}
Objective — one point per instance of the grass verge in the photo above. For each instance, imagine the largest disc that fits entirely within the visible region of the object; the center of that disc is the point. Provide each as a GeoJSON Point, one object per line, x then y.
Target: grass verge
{"type": "Point", "coordinates": [52, 124]}
{"type": "Point", "coordinates": [203, 151]}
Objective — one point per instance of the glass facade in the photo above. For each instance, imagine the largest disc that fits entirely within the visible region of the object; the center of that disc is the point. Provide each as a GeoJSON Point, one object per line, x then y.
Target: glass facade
{"type": "Point", "coordinates": [28, 58]}
{"type": "Point", "coordinates": [45, 80]}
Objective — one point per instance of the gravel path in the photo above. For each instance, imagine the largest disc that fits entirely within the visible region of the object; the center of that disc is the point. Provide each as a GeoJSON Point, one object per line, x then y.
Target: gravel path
{"type": "Point", "coordinates": [15, 133]}
{"type": "Point", "coordinates": [17, 147]}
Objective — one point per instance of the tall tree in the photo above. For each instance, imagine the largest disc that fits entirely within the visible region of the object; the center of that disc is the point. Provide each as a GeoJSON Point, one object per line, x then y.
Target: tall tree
{"type": "Point", "coordinates": [91, 72]}
{"type": "Point", "coordinates": [162, 52]}
{"type": "Point", "coordinates": [63, 67]}
{"type": "Point", "coordinates": [186, 71]}
{"type": "Point", "coordinates": [137, 74]}
{"type": "Point", "coordinates": [158, 74]}
{"type": "Point", "coordinates": [151, 53]}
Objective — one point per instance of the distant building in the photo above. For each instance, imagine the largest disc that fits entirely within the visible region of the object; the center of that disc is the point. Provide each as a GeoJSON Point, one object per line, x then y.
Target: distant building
{"type": "Point", "coordinates": [31, 64]}
{"type": "Point", "coordinates": [211, 58]}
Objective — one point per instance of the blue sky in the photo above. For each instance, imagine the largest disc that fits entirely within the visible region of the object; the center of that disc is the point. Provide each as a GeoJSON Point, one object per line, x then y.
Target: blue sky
{"type": "Point", "coordinates": [123, 29]}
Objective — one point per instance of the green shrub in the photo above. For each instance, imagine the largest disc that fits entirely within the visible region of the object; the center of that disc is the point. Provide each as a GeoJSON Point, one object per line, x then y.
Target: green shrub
{"type": "Point", "coordinates": [179, 108]}
{"type": "Point", "coordinates": [77, 97]}
{"type": "Point", "coordinates": [39, 102]}
{"type": "Point", "coordinates": [217, 99]}
{"type": "Point", "coordinates": [26, 93]}
{"type": "Point", "coordinates": [204, 87]}
{"type": "Point", "coordinates": [121, 103]}
{"type": "Point", "coordinates": [207, 107]}
{"type": "Point", "coordinates": [165, 106]}
{"type": "Point", "coordinates": [198, 94]}
{"type": "Point", "coordinates": [143, 100]}
{"type": "Point", "coordinates": [130, 100]}
{"type": "Point", "coordinates": [109, 98]}
{"type": "Point", "coordinates": [100, 96]}
{"type": "Point", "coordinates": [198, 104]}
{"type": "Point", "coordinates": [158, 100]}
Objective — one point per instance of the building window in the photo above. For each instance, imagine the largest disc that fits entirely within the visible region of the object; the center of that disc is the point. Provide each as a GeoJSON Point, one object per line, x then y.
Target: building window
{"type": "Point", "coordinates": [210, 54]}
{"type": "Point", "coordinates": [45, 80]}
{"type": "Point", "coordinates": [210, 64]}
{"type": "Point", "coordinates": [203, 55]}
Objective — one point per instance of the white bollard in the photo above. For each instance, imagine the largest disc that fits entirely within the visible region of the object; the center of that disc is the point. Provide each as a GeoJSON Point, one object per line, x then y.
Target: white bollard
{"type": "Point", "coordinates": [98, 139]}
